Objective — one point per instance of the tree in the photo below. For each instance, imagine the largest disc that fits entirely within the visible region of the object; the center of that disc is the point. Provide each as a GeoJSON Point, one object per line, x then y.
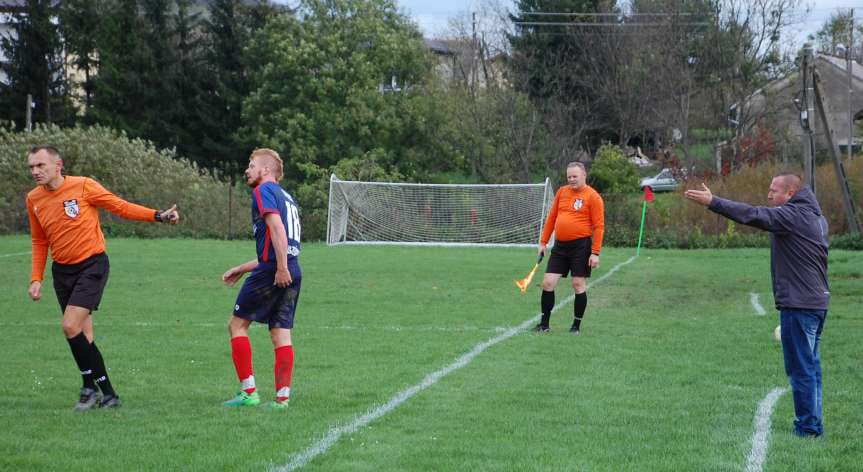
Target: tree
{"type": "Point", "coordinates": [79, 25]}
{"type": "Point", "coordinates": [548, 64]}
{"type": "Point", "coordinates": [226, 34]}
{"type": "Point", "coordinates": [35, 66]}
{"type": "Point", "coordinates": [122, 92]}
{"type": "Point", "coordinates": [611, 172]}
{"type": "Point", "coordinates": [341, 82]}
{"type": "Point", "coordinates": [493, 131]}
{"type": "Point", "coordinates": [837, 30]}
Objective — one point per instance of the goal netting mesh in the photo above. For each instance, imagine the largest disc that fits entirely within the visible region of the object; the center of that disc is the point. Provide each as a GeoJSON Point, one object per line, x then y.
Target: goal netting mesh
{"type": "Point", "coordinates": [436, 214]}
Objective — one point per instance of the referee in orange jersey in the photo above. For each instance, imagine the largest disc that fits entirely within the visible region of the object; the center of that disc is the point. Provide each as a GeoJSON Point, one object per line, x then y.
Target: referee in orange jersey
{"type": "Point", "coordinates": [64, 218]}
{"type": "Point", "coordinates": [577, 218]}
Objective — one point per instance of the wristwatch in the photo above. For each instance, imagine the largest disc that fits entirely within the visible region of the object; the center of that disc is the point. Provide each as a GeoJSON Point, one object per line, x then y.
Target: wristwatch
{"type": "Point", "coordinates": [158, 216]}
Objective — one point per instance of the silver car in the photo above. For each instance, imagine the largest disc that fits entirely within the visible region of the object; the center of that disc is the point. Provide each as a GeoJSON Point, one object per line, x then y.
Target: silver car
{"type": "Point", "coordinates": [661, 182]}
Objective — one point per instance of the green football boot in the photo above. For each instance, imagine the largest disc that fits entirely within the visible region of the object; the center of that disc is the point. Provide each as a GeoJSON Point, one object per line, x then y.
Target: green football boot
{"type": "Point", "coordinates": [244, 399]}
{"type": "Point", "coordinates": [274, 405]}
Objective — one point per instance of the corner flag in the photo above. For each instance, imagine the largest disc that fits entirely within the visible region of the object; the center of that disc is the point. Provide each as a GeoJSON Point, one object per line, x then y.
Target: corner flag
{"type": "Point", "coordinates": [648, 197]}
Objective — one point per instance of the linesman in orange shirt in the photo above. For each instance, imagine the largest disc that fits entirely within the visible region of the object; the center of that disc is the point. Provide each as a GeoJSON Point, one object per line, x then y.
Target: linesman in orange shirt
{"type": "Point", "coordinates": [577, 219]}
{"type": "Point", "coordinates": [64, 218]}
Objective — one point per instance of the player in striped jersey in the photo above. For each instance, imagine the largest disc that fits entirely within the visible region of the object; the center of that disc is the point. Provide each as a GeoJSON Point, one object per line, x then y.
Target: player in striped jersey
{"type": "Point", "coordinates": [271, 292]}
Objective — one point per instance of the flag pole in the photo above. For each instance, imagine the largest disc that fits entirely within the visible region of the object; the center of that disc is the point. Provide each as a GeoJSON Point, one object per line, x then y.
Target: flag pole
{"type": "Point", "coordinates": [641, 230]}
{"type": "Point", "coordinates": [648, 197]}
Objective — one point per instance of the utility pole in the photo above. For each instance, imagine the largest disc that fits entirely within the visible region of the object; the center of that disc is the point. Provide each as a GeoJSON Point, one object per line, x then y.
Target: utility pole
{"type": "Point", "coordinates": [28, 120]}
{"type": "Point", "coordinates": [848, 203]}
{"type": "Point", "coordinates": [475, 50]}
{"type": "Point", "coordinates": [849, 55]}
{"type": "Point", "coordinates": [807, 117]}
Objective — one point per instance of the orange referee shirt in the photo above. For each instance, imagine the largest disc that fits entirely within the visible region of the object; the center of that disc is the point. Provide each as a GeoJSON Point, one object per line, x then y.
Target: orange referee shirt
{"type": "Point", "coordinates": [66, 220]}
{"type": "Point", "coordinates": [576, 214]}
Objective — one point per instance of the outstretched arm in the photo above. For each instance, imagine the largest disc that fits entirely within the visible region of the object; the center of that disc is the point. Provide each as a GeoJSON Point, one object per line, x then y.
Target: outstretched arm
{"type": "Point", "coordinates": [98, 196]}
{"type": "Point", "coordinates": [775, 220]}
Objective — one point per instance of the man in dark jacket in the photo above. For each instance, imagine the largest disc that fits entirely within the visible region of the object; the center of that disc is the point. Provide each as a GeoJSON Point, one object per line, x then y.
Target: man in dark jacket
{"type": "Point", "coordinates": [798, 267]}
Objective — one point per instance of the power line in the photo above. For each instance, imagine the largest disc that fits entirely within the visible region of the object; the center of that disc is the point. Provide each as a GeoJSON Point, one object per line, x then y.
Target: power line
{"type": "Point", "coordinates": [546, 13]}
{"type": "Point", "coordinates": [604, 25]}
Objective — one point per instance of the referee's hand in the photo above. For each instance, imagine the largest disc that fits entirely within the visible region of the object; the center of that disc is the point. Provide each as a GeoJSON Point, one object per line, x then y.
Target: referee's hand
{"type": "Point", "coordinates": [171, 215]}
{"type": "Point", "coordinates": [35, 290]}
{"type": "Point", "coordinates": [541, 251]}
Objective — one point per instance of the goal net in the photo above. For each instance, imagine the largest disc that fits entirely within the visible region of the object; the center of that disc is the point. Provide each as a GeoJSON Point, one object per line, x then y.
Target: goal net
{"type": "Point", "coordinates": [436, 214]}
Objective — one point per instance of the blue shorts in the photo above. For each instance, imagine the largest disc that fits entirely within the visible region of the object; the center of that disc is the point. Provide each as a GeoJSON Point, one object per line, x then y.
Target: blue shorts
{"type": "Point", "coordinates": [259, 300]}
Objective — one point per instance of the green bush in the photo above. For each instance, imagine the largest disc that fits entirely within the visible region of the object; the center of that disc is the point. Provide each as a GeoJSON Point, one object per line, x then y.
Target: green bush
{"type": "Point", "coordinates": [133, 170]}
{"type": "Point", "coordinates": [853, 242]}
{"type": "Point", "coordinates": [611, 172]}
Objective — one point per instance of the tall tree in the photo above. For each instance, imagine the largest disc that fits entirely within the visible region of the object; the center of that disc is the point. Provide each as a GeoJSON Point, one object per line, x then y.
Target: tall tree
{"type": "Point", "coordinates": [122, 87]}
{"type": "Point", "coordinates": [548, 62]}
{"type": "Point", "coordinates": [35, 66]}
{"type": "Point", "coordinates": [79, 25]}
{"type": "Point", "coordinates": [227, 33]}
{"type": "Point", "coordinates": [341, 82]}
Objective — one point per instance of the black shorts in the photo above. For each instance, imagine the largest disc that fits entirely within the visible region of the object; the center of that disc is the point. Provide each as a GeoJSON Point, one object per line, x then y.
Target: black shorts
{"type": "Point", "coordinates": [570, 256]}
{"type": "Point", "coordinates": [81, 284]}
{"type": "Point", "coordinates": [259, 300]}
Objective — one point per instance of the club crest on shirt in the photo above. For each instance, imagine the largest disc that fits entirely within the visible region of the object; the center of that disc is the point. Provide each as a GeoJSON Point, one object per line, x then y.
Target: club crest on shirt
{"type": "Point", "coordinates": [71, 208]}
{"type": "Point", "coordinates": [578, 204]}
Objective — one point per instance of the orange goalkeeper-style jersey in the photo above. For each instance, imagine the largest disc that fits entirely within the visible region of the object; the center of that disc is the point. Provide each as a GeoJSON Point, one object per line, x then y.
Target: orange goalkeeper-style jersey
{"type": "Point", "coordinates": [66, 220]}
{"type": "Point", "coordinates": [576, 214]}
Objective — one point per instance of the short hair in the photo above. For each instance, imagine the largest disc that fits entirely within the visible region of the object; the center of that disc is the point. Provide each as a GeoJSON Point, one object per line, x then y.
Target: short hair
{"type": "Point", "coordinates": [580, 165]}
{"type": "Point", "coordinates": [51, 150]}
{"type": "Point", "coordinates": [274, 158]}
{"type": "Point", "coordinates": [790, 179]}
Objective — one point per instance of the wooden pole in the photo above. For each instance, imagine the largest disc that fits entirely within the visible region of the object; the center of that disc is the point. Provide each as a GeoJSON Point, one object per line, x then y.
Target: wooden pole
{"type": "Point", "coordinates": [847, 202]}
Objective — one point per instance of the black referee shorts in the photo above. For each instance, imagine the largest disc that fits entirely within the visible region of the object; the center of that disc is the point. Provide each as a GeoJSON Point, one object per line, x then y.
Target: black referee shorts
{"type": "Point", "coordinates": [570, 257]}
{"type": "Point", "coordinates": [81, 284]}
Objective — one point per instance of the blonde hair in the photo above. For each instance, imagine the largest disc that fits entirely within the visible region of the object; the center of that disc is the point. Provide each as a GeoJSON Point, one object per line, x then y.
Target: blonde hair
{"type": "Point", "coordinates": [273, 158]}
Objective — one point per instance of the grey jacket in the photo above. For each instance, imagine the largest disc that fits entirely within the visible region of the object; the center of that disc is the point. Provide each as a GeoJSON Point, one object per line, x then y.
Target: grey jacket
{"type": "Point", "coordinates": [798, 247]}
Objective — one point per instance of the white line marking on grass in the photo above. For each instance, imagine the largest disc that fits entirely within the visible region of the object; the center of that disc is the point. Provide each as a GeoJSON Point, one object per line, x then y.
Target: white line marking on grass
{"type": "Point", "coordinates": [753, 299]}
{"type": "Point", "coordinates": [337, 432]}
{"type": "Point", "coordinates": [16, 254]}
{"type": "Point", "coordinates": [371, 328]}
{"type": "Point", "coordinates": [755, 459]}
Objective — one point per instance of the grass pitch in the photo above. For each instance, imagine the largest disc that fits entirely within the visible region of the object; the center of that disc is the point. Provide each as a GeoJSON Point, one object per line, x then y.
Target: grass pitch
{"type": "Point", "coordinates": [667, 373]}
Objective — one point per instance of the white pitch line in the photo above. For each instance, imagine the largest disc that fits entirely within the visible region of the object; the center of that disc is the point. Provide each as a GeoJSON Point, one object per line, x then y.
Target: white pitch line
{"type": "Point", "coordinates": [753, 299]}
{"type": "Point", "coordinates": [16, 254]}
{"type": "Point", "coordinates": [371, 328]}
{"type": "Point", "coordinates": [755, 459]}
{"type": "Point", "coordinates": [336, 432]}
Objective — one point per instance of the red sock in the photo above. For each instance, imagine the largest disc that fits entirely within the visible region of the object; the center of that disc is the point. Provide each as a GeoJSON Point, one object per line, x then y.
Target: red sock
{"type": "Point", "coordinates": [284, 366]}
{"type": "Point", "coordinates": [241, 353]}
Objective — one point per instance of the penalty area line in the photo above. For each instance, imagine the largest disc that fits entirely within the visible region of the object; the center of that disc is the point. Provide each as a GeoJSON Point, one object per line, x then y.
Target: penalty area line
{"type": "Point", "coordinates": [16, 254]}
{"type": "Point", "coordinates": [761, 435]}
{"type": "Point", "coordinates": [336, 432]}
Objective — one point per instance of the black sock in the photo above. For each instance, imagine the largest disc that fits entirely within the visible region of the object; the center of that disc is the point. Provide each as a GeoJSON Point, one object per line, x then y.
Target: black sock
{"type": "Point", "coordinates": [546, 304]}
{"type": "Point", "coordinates": [100, 374]}
{"type": "Point", "coordinates": [81, 351]}
{"type": "Point", "coordinates": [580, 305]}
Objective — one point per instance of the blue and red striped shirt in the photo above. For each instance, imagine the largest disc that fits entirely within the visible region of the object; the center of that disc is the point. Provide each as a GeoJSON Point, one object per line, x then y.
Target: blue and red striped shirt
{"type": "Point", "coordinates": [269, 197]}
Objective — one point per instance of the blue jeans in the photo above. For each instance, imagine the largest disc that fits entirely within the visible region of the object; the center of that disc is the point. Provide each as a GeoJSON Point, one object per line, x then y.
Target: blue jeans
{"type": "Point", "coordinates": [801, 335]}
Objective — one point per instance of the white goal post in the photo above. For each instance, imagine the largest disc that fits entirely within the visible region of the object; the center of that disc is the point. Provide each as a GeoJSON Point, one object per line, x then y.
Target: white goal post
{"type": "Point", "coordinates": [437, 214]}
